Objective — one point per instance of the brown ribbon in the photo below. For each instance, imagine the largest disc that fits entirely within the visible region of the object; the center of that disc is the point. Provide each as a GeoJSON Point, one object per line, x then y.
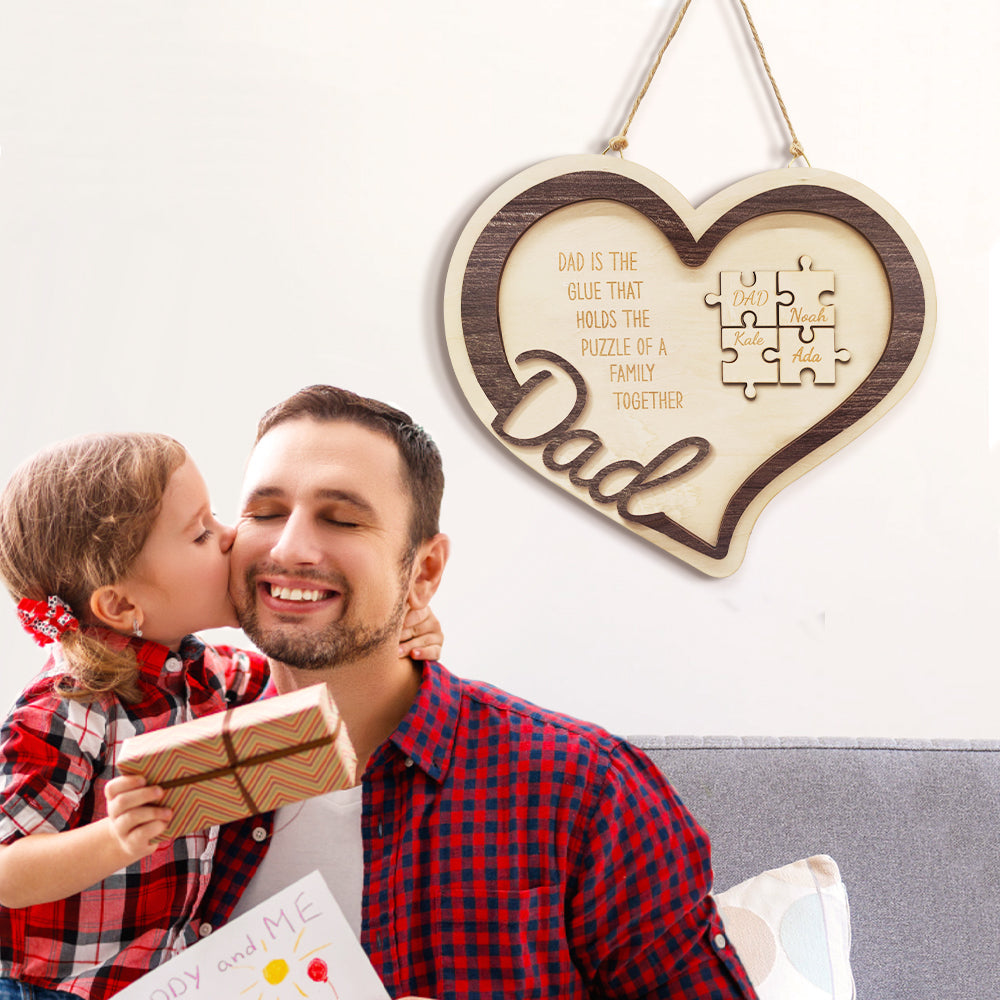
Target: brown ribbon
{"type": "Point", "coordinates": [232, 768]}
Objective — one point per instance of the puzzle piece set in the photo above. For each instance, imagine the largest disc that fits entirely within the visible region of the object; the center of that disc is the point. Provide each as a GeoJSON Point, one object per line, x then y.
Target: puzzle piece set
{"type": "Point", "coordinates": [777, 326]}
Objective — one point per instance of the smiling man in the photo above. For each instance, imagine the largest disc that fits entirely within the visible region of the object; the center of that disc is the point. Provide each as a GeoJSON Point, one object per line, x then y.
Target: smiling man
{"type": "Point", "coordinates": [493, 848]}
{"type": "Point", "coordinates": [342, 487]}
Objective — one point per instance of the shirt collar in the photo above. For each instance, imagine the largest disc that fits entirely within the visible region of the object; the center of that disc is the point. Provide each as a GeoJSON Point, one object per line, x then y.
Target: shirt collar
{"type": "Point", "coordinates": [427, 733]}
{"type": "Point", "coordinates": [151, 656]}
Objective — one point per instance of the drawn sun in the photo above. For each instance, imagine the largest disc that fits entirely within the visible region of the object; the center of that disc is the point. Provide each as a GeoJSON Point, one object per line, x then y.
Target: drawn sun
{"type": "Point", "coordinates": [278, 970]}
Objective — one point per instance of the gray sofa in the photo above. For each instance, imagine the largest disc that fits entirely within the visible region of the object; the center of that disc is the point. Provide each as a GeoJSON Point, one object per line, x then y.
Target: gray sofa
{"type": "Point", "coordinates": [914, 827]}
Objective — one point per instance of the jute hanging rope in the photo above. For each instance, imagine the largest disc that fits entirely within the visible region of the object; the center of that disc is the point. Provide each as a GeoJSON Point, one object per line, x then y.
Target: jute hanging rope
{"type": "Point", "coordinates": [620, 141]}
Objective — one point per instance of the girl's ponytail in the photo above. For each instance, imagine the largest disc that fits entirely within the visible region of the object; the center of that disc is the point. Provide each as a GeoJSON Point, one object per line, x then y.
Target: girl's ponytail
{"type": "Point", "coordinates": [73, 518]}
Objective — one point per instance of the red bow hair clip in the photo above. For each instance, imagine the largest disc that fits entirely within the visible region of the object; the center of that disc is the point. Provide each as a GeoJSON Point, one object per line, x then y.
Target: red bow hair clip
{"type": "Point", "coordinates": [46, 621]}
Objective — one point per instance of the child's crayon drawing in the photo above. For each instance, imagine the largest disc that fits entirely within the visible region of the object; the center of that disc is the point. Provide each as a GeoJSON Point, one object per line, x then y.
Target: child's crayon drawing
{"type": "Point", "coordinates": [296, 944]}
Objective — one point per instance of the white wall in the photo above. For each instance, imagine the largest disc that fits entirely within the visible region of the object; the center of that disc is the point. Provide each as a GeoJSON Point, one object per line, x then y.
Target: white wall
{"type": "Point", "coordinates": [206, 205]}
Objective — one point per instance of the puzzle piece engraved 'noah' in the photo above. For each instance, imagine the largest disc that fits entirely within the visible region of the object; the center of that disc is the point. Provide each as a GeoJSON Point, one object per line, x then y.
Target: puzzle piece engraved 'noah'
{"type": "Point", "coordinates": [808, 307]}
{"type": "Point", "coordinates": [759, 297]}
{"type": "Point", "coordinates": [747, 364]}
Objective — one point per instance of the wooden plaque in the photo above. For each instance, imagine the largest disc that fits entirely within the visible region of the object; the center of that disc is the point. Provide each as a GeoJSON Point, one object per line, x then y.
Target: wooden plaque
{"type": "Point", "coordinates": [675, 367]}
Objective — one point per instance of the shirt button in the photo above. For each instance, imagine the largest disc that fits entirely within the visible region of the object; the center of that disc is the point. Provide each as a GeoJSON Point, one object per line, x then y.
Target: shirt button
{"type": "Point", "coordinates": [409, 762]}
{"type": "Point", "coordinates": [259, 834]}
{"type": "Point", "coordinates": [173, 665]}
{"type": "Point", "coordinates": [204, 930]}
{"type": "Point", "coordinates": [719, 941]}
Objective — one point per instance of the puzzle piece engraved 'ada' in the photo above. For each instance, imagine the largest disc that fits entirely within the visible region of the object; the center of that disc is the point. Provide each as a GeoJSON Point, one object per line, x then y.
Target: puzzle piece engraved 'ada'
{"type": "Point", "coordinates": [795, 354]}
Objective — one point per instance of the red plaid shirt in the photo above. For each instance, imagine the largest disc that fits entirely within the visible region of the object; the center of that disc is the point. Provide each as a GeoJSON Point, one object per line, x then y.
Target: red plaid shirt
{"type": "Point", "coordinates": [56, 756]}
{"type": "Point", "coordinates": [514, 853]}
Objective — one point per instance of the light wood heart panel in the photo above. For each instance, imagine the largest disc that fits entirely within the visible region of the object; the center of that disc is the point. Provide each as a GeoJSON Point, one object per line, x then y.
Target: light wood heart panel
{"type": "Point", "coordinates": [674, 367]}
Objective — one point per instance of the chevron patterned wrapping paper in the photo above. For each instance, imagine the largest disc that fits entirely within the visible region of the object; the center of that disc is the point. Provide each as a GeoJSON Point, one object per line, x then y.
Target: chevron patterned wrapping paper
{"type": "Point", "coordinates": [285, 749]}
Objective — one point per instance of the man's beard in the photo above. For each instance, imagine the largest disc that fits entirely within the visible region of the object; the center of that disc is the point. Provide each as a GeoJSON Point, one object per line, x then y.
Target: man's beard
{"type": "Point", "coordinates": [335, 644]}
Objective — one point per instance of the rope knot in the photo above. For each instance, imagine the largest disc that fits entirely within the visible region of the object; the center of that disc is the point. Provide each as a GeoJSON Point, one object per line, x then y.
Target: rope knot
{"type": "Point", "coordinates": [618, 143]}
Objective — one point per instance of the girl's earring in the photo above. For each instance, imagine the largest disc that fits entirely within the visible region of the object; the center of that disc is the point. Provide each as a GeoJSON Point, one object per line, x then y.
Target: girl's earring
{"type": "Point", "coordinates": [136, 631]}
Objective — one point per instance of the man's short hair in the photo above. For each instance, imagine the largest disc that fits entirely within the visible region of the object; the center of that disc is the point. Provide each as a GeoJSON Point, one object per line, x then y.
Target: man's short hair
{"type": "Point", "coordinates": [421, 461]}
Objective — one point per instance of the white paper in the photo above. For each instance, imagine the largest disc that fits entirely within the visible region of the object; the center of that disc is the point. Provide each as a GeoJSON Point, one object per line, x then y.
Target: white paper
{"type": "Point", "coordinates": [295, 944]}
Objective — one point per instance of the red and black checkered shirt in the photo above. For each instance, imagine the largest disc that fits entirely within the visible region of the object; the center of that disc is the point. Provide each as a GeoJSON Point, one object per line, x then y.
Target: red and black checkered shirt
{"type": "Point", "coordinates": [511, 852]}
{"type": "Point", "coordinates": [56, 756]}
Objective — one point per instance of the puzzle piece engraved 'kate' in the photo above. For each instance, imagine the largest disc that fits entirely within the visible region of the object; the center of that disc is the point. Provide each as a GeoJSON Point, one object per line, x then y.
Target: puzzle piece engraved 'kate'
{"type": "Point", "coordinates": [776, 326]}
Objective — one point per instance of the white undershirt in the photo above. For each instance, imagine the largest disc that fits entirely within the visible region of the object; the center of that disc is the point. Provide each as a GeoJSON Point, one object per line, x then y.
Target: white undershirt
{"type": "Point", "coordinates": [319, 834]}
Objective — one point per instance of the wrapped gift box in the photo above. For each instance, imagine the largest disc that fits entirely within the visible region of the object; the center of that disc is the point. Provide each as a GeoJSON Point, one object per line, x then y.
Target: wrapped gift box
{"type": "Point", "coordinates": [246, 760]}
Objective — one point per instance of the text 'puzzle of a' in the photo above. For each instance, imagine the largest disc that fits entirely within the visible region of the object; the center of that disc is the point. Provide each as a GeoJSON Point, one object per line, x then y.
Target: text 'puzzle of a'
{"type": "Point", "coordinates": [776, 327]}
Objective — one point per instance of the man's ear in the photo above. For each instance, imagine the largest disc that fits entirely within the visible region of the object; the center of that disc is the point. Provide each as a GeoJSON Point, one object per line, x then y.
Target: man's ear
{"type": "Point", "coordinates": [428, 568]}
{"type": "Point", "coordinates": [111, 606]}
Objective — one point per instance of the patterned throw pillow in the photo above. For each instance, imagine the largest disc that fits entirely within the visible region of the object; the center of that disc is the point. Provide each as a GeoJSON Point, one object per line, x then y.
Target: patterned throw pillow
{"type": "Point", "coordinates": [791, 928]}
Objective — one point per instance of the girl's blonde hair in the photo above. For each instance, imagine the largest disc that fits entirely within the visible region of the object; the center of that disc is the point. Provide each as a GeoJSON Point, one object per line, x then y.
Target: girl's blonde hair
{"type": "Point", "coordinates": [74, 518]}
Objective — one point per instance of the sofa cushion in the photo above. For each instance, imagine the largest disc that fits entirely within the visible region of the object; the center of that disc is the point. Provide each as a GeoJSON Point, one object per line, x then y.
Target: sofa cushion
{"type": "Point", "coordinates": [791, 929]}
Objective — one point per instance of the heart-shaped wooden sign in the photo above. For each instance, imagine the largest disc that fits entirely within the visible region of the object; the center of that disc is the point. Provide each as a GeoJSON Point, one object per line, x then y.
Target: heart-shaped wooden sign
{"type": "Point", "coordinates": [675, 367]}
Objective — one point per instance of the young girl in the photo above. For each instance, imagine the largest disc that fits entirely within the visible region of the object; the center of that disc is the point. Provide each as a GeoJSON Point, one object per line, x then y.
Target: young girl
{"type": "Point", "coordinates": [110, 547]}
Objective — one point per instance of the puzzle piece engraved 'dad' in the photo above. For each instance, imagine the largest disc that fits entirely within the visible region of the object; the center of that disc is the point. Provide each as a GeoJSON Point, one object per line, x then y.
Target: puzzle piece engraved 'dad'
{"type": "Point", "coordinates": [746, 362]}
{"type": "Point", "coordinates": [819, 355]}
{"type": "Point", "coordinates": [737, 296]}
